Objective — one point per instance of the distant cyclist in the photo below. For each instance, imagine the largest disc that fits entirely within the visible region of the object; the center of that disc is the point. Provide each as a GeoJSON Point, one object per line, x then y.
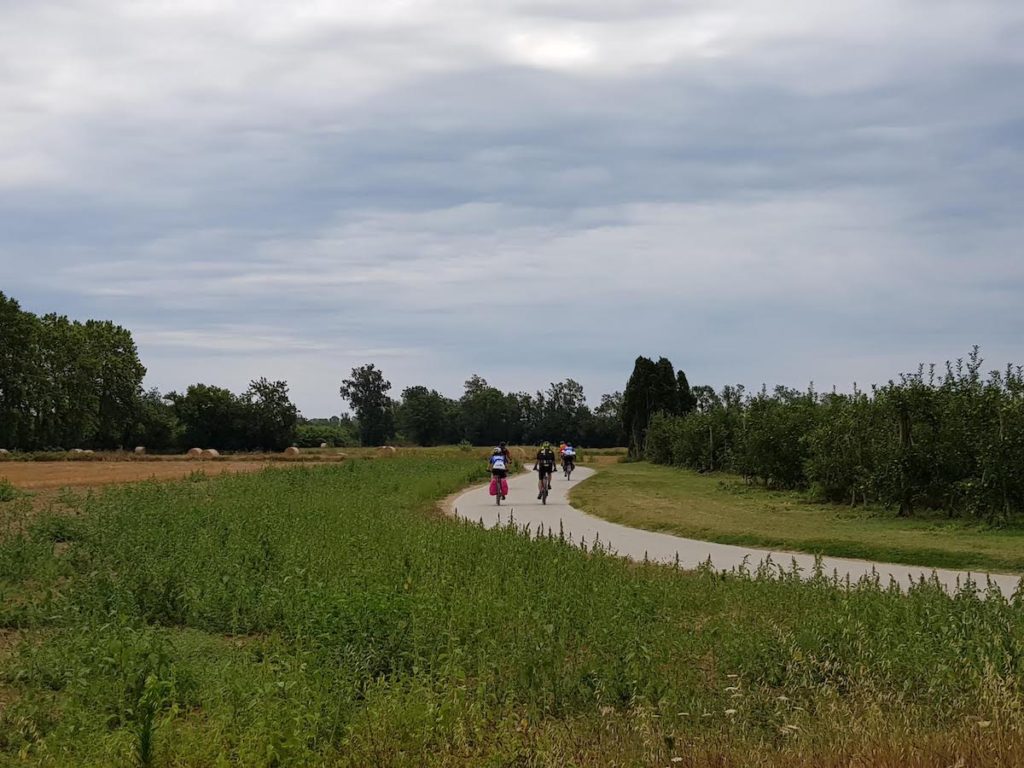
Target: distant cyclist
{"type": "Point", "coordinates": [499, 472]}
{"type": "Point", "coordinates": [545, 464]}
{"type": "Point", "coordinates": [568, 459]}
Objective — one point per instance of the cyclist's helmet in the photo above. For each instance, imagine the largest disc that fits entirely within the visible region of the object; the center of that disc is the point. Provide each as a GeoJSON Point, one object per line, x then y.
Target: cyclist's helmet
{"type": "Point", "coordinates": [546, 446]}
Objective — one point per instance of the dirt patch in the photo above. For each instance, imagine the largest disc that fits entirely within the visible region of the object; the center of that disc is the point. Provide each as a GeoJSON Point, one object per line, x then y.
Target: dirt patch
{"type": "Point", "coordinates": [35, 476]}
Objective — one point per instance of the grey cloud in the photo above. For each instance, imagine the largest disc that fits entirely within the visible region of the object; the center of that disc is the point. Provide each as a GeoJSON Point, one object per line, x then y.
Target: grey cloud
{"type": "Point", "coordinates": [826, 188]}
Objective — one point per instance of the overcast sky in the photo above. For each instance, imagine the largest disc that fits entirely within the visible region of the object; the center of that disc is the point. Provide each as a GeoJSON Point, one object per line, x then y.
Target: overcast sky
{"type": "Point", "coordinates": [763, 192]}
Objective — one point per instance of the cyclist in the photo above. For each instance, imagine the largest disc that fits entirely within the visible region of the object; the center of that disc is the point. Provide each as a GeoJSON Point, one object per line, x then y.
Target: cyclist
{"type": "Point", "coordinates": [499, 472]}
{"type": "Point", "coordinates": [569, 458]}
{"type": "Point", "coordinates": [545, 464]}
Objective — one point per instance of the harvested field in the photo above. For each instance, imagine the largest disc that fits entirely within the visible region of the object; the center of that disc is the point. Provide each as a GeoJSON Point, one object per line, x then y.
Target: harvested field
{"type": "Point", "coordinates": [34, 476]}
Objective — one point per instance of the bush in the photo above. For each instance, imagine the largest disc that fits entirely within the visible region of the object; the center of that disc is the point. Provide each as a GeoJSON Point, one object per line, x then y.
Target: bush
{"type": "Point", "coordinates": [336, 436]}
{"type": "Point", "coordinates": [954, 442]}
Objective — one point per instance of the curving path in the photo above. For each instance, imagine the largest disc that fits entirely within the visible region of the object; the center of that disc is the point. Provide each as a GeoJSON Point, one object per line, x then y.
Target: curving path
{"type": "Point", "coordinates": [525, 509]}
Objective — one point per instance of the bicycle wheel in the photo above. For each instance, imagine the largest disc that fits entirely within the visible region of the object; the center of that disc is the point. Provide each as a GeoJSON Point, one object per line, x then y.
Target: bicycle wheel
{"type": "Point", "coordinates": [497, 491]}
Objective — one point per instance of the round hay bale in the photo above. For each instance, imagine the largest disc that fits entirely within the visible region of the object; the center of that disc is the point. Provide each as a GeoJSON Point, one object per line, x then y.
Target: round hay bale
{"type": "Point", "coordinates": [88, 452]}
{"type": "Point", "coordinates": [291, 450]}
{"type": "Point", "coordinates": [4, 452]}
{"type": "Point", "coordinates": [210, 453]}
{"type": "Point", "coordinates": [140, 450]}
{"type": "Point", "coordinates": [77, 450]}
{"type": "Point", "coordinates": [324, 445]}
{"type": "Point", "coordinates": [387, 450]}
{"type": "Point", "coordinates": [195, 453]}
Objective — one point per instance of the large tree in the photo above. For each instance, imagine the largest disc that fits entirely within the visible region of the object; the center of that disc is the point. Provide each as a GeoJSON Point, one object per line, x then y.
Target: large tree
{"type": "Point", "coordinates": [665, 388]}
{"type": "Point", "coordinates": [427, 417]}
{"type": "Point", "coordinates": [563, 411]}
{"type": "Point", "coordinates": [636, 404]}
{"type": "Point", "coordinates": [112, 352]}
{"type": "Point", "coordinates": [486, 412]}
{"type": "Point", "coordinates": [605, 425]}
{"type": "Point", "coordinates": [653, 387]}
{"type": "Point", "coordinates": [211, 417]}
{"type": "Point", "coordinates": [18, 359]}
{"type": "Point", "coordinates": [687, 400]}
{"type": "Point", "coordinates": [155, 424]}
{"type": "Point", "coordinates": [367, 392]}
{"type": "Point", "coordinates": [270, 415]}
{"type": "Point", "coordinates": [66, 402]}
{"type": "Point", "coordinates": [64, 383]}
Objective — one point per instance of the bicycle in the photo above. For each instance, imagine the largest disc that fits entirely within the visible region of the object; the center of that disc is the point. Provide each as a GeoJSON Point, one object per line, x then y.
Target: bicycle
{"type": "Point", "coordinates": [545, 476]}
{"type": "Point", "coordinates": [497, 491]}
{"type": "Point", "coordinates": [499, 488]}
{"type": "Point", "coordinates": [568, 465]}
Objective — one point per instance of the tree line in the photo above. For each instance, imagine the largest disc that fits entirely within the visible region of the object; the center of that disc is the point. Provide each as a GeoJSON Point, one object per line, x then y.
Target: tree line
{"type": "Point", "coordinates": [65, 384]}
{"type": "Point", "coordinates": [483, 415]}
{"type": "Point", "coordinates": [949, 440]}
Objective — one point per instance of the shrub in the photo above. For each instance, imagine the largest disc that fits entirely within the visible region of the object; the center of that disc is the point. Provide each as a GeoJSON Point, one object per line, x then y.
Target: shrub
{"type": "Point", "coordinates": [952, 442]}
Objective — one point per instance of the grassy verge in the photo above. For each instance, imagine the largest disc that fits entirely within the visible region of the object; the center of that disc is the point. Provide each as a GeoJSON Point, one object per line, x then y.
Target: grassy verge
{"type": "Point", "coordinates": [722, 508]}
{"type": "Point", "coordinates": [319, 617]}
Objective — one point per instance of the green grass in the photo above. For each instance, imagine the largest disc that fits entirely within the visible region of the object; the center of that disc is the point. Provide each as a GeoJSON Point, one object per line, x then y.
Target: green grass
{"type": "Point", "coordinates": [324, 616]}
{"type": "Point", "coordinates": [722, 508]}
{"type": "Point", "coordinates": [7, 491]}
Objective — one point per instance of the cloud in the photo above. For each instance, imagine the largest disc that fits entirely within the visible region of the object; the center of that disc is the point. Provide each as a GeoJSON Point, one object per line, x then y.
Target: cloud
{"type": "Point", "coordinates": [524, 188]}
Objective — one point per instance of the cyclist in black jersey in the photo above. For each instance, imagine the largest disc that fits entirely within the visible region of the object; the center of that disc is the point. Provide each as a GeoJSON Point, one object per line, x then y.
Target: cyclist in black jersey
{"type": "Point", "coordinates": [545, 464]}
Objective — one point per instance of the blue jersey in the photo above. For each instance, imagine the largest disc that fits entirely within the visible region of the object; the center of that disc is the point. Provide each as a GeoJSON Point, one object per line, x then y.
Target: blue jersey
{"type": "Point", "coordinates": [498, 462]}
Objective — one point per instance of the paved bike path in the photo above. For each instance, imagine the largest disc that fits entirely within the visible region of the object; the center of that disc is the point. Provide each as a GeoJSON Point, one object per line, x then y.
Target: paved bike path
{"type": "Point", "coordinates": [525, 509]}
